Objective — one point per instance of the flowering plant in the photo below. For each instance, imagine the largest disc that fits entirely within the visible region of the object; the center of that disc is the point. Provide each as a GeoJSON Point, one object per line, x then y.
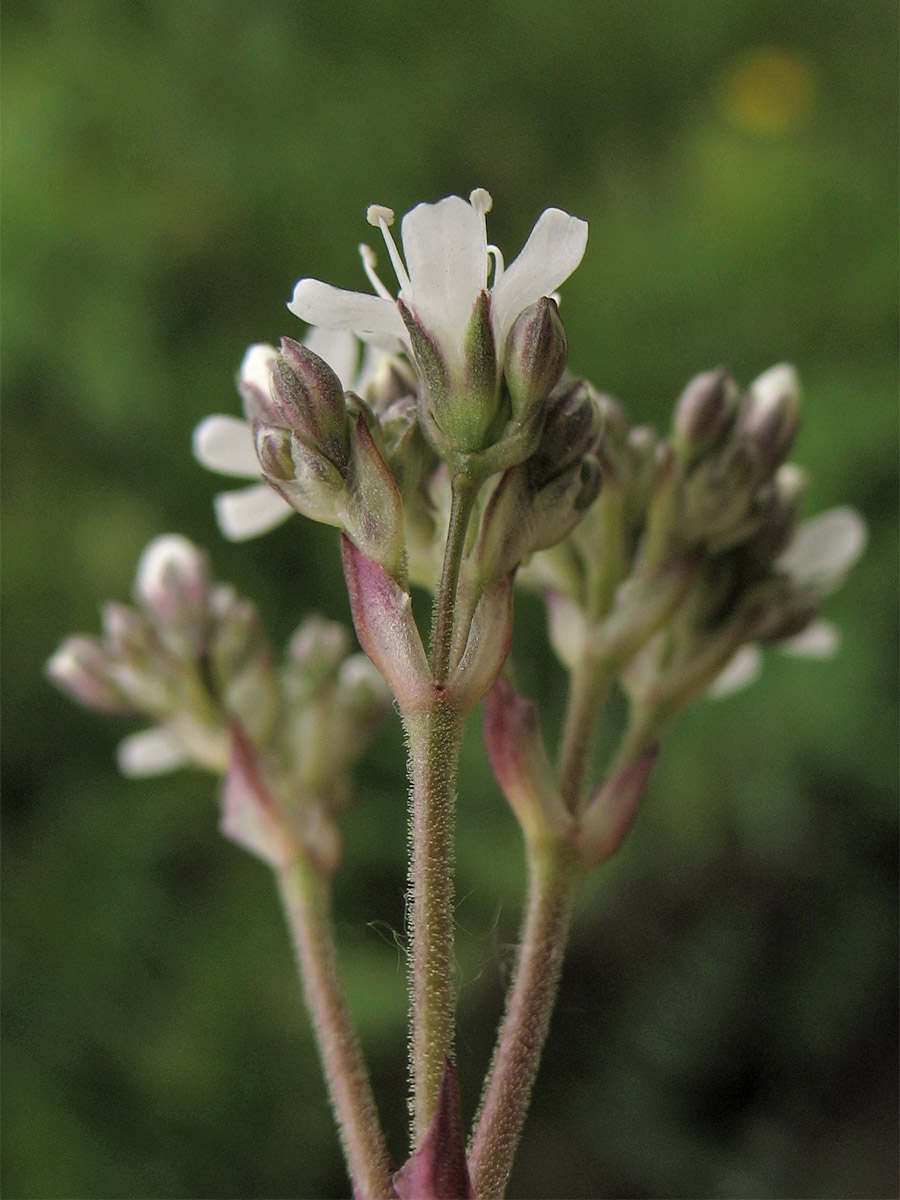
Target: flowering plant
{"type": "Point", "coordinates": [440, 433]}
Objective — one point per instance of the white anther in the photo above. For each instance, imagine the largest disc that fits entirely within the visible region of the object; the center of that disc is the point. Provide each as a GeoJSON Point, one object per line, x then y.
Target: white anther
{"type": "Point", "coordinates": [383, 218]}
{"type": "Point", "coordinates": [378, 213]}
{"type": "Point", "coordinates": [481, 200]}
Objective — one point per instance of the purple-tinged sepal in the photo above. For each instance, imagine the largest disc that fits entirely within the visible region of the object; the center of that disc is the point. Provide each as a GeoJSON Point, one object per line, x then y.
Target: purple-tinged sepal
{"type": "Point", "coordinates": [309, 398]}
{"type": "Point", "coordinates": [250, 815]}
{"type": "Point", "coordinates": [486, 647]}
{"type": "Point", "coordinates": [438, 1169]}
{"type": "Point", "coordinates": [373, 519]}
{"type": "Point", "coordinates": [387, 631]}
{"type": "Point", "coordinates": [82, 668]}
{"type": "Point", "coordinates": [611, 808]}
{"type": "Point", "coordinates": [518, 757]}
{"type": "Point", "coordinates": [536, 352]}
{"type": "Point", "coordinates": [704, 415]}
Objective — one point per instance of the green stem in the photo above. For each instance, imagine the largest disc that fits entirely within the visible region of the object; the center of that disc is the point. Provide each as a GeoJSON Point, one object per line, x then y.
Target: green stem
{"type": "Point", "coordinates": [305, 894]}
{"type": "Point", "coordinates": [645, 728]}
{"type": "Point", "coordinates": [463, 493]}
{"type": "Point", "coordinates": [434, 743]}
{"type": "Point", "coordinates": [554, 874]}
{"type": "Point", "coordinates": [589, 687]}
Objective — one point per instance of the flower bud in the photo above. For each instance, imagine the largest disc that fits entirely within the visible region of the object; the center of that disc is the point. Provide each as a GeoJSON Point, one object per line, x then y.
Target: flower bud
{"type": "Point", "coordinates": [237, 635]}
{"type": "Point", "coordinates": [536, 352]}
{"type": "Point", "coordinates": [460, 402]}
{"type": "Point", "coordinates": [273, 449]}
{"type": "Point", "coordinates": [770, 413]}
{"type": "Point", "coordinates": [779, 510]}
{"type": "Point", "coordinates": [315, 654]}
{"type": "Point", "coordinates": [306, 479]}
{"type": "Point", "coordinates": [128, 633]}
{"type": "Point", "coordinates": [615, 420]}
{"type": "Point", "coordinates": [387, 381]}
{"type": "Point", "coordinates": [571, 429]}
{"type": "Point", "coordinates": [363, 697]}
{"type": "Point", "coordinates": [718, 495]}
{"type": "Point", "coordinates": [373, 518]}
{"type": "Point", "coordinates": [172, 584]}
{"type": "Point", "coordinates": [310, 399]}
{"type": "Point", "coordinates": [81, 668]}
{"type": "Point", "coordinates": [704, 414]}
{"type": "Point", "coordinates": [254, 383]}
{"type": "Point", "coordinates": [319, 646]}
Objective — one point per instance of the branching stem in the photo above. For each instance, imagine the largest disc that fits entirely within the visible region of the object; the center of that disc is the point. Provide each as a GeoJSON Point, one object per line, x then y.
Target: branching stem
{"type": "Point", "coordinates": [554, 873]}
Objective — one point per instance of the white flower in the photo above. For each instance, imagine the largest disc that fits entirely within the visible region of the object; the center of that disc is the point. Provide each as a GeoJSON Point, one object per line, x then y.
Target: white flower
{"type": "Point", "coordinates": [446, 264]}
{"type": "Point", "coordinates": [180, 742]}
{"type": "Point", "coordinates": [818, 557]}
{"type": "Point", "coordinates": [151, 752]}
{"type": "Point", "coordinates": [225, 444]}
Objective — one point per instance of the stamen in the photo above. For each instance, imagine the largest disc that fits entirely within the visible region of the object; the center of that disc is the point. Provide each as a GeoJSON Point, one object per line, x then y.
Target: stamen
{"type": "Point", "coordinates": [376, 213]}
{"type": "Point", "coordinates": [370, 262]}
{"type": "Point", "coordinates": [494, 253]}
{"type": "Point", "coordinates": [481, 200]}
{"type": "Point", "coordinates": [383, 217]}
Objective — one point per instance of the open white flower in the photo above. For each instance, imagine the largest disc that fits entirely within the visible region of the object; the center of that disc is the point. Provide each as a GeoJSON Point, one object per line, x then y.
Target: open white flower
{"type": "Point", "coordinates": [818, 557]}
{"type": "Point", "coordinates": [225, 444]}
{"type": "Point", "coordinates": [445, 266]}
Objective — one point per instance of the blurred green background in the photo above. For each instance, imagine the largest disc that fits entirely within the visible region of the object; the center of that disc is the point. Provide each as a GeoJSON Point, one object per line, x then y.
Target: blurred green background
{"type": "Point", "coordinates": [727, 1023]}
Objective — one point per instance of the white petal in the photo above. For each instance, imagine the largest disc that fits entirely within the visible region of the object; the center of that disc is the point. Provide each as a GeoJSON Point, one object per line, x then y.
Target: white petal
{"type": "Point", "coordinates": [769, 388]}
{"type": "Point", "coordinates": [171, 569]}
{"type": "Point", "coordinates": [446, 256]}
{"type": "Point", "coordinates": [225, 444]}
{"type": "Point", "coordinates": [151, 752]}
{"type": "Point", "coordinates": [742, 668]}
{"type": "Point", "coordinates": [819, 640]}
{"type": "Point", "coordinates": [256, 367]}
{"type": "Point", "coordinates": [333, 308]}
{"type": "Point", "coordinates": [339, 348]}
{"type": "Point", "coordinates": [825, 548]}
{"type": "Point", "coordinates": [568, 629]}
{"type": "Point", "coordinates": [248, 512]}
{"type": "Point", "coordinates": [369, 368]}
{"type": "Point", "coordinates": [554, 249]}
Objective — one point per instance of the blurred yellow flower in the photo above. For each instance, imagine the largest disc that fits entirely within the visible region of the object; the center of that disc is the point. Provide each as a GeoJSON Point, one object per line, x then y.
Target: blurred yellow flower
{"type": "Point", "coordinates": [769, 90]}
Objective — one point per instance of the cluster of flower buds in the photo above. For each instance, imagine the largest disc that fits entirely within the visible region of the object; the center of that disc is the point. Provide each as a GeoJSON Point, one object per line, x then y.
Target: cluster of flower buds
{"type": "Point", "coordinates": [691, 555]}
{"type": "Point", "coordinates": [734, 502]}
{"type": "Point", "coordinates": [192, 657]}
{"type": "Point", "coordinates": [319, 448]}
{"type": "Point", "coordinates": [700, 533]}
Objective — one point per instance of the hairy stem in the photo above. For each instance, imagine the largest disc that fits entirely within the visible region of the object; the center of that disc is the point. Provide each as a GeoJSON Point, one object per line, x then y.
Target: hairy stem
{"type": "Point", "coordinates": [554, 874]}
{"type": "Point", "coordinates": [434, 742]}
{"type": "Point", "coordinates": [305, 894]}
